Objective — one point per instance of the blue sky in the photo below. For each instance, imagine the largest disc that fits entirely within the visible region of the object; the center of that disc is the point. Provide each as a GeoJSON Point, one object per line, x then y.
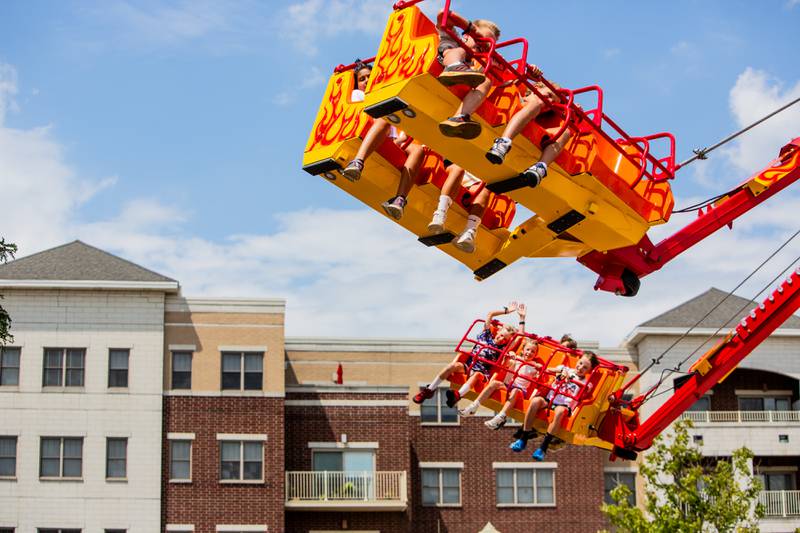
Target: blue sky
{"type": "Point", "coordinates": [172, 132]}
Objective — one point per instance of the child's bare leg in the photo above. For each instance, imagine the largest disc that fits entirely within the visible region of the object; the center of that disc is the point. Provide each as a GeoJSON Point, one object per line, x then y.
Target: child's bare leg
{"type": "Point", "coordinates": [487, 391]}
{"type": "Point", "coordinates": [454, 175]}
{"type": "Point", "coordinates": [473, 99]}
{"type": "Point", "coordinates": [535, 405]}
{"type": "Point", "coordinates": [429, 390]}
{"type": "Point", "coordinates": [558, 414]}
{"type": "Point", "coordinates": [536, 172]}
{"type": "Point", "coordinates": [510, 401]}
{"type": "Point", "coordinates": [533, 106]}
{"type": "Point", "coordinates": [375, 136]}
{"type": "Point", "coordinates": [394, 206]}
{"type": "Point", "coordinates": [454, 55]}
{"type": "Point", "coordinates": [461, 125]}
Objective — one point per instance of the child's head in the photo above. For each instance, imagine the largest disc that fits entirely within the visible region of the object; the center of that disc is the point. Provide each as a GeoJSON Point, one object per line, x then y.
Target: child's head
{"type": "Point", "coordinates": [586, 363]}
{"type": "Point", "coordinates": [486, 29]}
{"type": "Point", "coordinates": [568, 342]}
{"type": "Point", "coordinates": [503, 334]}
{"type": "Point", "coordinates": [361, 74]}
{"type": "Point", "coordinates": [529, 348]}
{"type": "Point", "coordinates": [547, 92]}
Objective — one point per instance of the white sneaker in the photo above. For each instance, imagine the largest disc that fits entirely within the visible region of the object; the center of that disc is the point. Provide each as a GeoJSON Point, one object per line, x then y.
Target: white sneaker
{"type": "Point", "coordinates": [437, 222]}
{"type": "Point", "coordinates": [468, 410]}
{"type": "Point", "coordinates": [497, 422]}
{"type": "Point", "coordinates": [466, 241]}
{"type": "Point", "coordinates": [497, 153]}
{"type": "Point", "coordinates": [535, 173]}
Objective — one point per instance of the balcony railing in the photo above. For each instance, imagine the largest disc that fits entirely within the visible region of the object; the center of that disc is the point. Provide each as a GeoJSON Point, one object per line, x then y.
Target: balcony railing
{"type": "Point", "coordinates": [381, 491]}
{"type": "Point", "coordinates": [780, 503]}
{"type": "Point", "coordinates": [718, 417]}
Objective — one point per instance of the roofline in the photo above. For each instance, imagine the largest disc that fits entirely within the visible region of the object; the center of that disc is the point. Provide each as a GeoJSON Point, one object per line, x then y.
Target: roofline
{"type": "Point", "coordinates": [180, 304]}
{"type": "Point", "coordinates": [343, 344]}
{"type": "Point", "coordinates": [634, 337]}
{"type": "Point", "coordinates": [346, 389]}
{"type": "Point", "coordinates": [80, 284]}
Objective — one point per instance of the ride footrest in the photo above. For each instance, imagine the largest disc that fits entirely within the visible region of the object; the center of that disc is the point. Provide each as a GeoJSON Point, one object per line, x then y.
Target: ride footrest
{"type": "Point", "coordinates": [512, 184]}
{"type": "Point", "coordinates": [492, 267]}
{"type": "Point", "coordinates": [438, 239]}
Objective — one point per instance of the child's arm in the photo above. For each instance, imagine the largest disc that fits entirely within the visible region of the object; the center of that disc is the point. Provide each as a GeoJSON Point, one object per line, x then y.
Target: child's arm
{"type": "Point", "coordinates": [506, 310]}
{"type": "Point", "coordinates": [522, 311]}
{"type": "Point", "coordinates": [453, 19]}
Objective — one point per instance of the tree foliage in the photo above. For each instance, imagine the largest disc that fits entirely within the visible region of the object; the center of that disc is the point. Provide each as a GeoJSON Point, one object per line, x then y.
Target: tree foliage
{"type": "Point", "coordinates": [7, 251]}
{"type": "Point", "coordinates": [685, 493]}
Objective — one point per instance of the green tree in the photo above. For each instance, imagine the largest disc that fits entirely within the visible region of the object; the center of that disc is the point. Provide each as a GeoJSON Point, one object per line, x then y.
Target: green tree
{"type": "Point", "coordinates": [684, 493]}
{"type": "Point", "coordinates": [7, 251]}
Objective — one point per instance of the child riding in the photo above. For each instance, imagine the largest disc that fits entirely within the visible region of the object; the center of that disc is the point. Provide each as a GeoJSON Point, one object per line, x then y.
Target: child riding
{"type": "Point", "coordinates": [457, 176]}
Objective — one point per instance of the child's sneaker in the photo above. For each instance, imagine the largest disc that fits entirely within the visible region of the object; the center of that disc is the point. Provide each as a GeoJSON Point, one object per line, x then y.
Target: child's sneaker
{"type": "Point", "coordinates": [466, 241]}
{"type": "Point", "coordinates": [394, 207]}
{"type": "Point", "coordinates": [423, 395]}
{"type": "Point", "coordinates": [353, 170]}
{"type": "Point", "coordinates": [468, 410]}
{"type": "Point", "coordinates": [538, 454]}
{"type": "Point", "coordinates": [535, 173]}
{"type": "Point", "coordinates": [518, 445]}
{"type": "Point", "coordinates": [497, 422]}
{"type": "Point", "coordinates": [452, 397]}
{"type": "Point", "coordinates": [497, 153]}
{"type": "Point", "coordinates": [437, 222]}
{"type": "Point", "coordinates": [460, 126]}
{"type": "Point", "coordinates": [461, 74]}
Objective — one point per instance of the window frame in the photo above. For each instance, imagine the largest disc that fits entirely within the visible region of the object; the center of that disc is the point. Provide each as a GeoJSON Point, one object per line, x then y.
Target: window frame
{"type": "Point", "coordinates": [127, 368]}
{"type": "Point", "coordinates": [3, 350]}
{"type": "Point", "coordinates": [63, 368]}
{"type": "Point", "coordinates": [124, 477]}
{"type": "Point", "coordinates": [616, 474]}
{"type": "Point", "coordinates": [15, 456]}
{"type": "Point", "coordinates": [61, 459]}
{"type": "Point", "coordinates": [440, 485]}
{"type": "Point", "coordinates": [173, 353]}
{"type": "Point", "coordinates": [242, 370]}
{"type": "Point", "coordinates": [189, 441]}
{"type": "Point", "coordinates": [440, 398]}
{"type": "Point", "coordinates": [534, 469]}
{"type": "Point", "coordinates": [241, 479]}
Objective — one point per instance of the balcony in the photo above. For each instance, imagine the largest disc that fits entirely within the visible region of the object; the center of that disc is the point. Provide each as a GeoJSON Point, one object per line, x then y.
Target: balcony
{"type": "Point", "coordinates": [738, 417]}
{"type": "Point", "coordinates": [346, 491]}
{"type": "Point", "coordinates": [780, 503]}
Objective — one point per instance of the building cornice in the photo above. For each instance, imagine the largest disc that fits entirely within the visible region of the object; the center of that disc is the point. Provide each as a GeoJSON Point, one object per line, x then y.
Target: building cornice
{"type": "Point", "coordinates": [80, 284]}
{"type": "Point", "coordinates": [343, 344]}
{"type": "Point", "coordinates": [180, 304]}
{"type": "Point", "coordinates": [636, 336]}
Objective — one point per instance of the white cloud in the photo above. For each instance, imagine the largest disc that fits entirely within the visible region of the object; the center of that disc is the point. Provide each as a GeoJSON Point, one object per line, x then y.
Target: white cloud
{"type": "Point", "coordinates": [308, 22]}
{"type": "Point", "coordinates": [755, 95]}
{"type": "Point", "coordinates": [8, 89]}
{"type": "Point", "coordinates": [791, 4]}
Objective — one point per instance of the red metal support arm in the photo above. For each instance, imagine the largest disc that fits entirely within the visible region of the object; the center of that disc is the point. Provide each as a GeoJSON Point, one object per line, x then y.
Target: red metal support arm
{"type": "Point", "coordinates": [712, 367]}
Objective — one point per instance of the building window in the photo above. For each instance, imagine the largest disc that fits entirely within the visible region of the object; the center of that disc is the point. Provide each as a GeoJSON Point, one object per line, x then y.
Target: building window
{"type": "Point", "coordinates": [241, 461]}
{"type": "Point", "coordinates": [118, 367]}
{"type": "Point", "coordinates": [613, 480]}
{"type": "Point", "coordinates": [63, 367]}
{"type": "Point", "coordinates": [57, 530]}
{"type": "Point", "coordinates": [441, 487]}
{"type": "Point", "coordinates": [6, 530]}
{"type": "Point", "coordinates": [181, 370]}
{"type": "Point", "coordinates": [525, 486]}
{"type": "Point", "coordinates": [778, 480]}
{"type": "Point", "coordinates": [116, 458]}
{"type": "Point", "coordinates": [702, 404]}
{"type": "Point", "coordinates": [8, 457]}
{"type": "Point", "coordinates": [9, 366]}
{"type": "Point", "coordinates": [61, 457]}
{"type": "Point", "coordinates": [180, 460]}
{"type": "Point", "coordinates": [435, 411]}
{"type": "Point", "coordinates": [765, 403]}
{"type": "Point", "coordinates": [242, 370]}
{"type": "Point", "coordinates": [115, 530]}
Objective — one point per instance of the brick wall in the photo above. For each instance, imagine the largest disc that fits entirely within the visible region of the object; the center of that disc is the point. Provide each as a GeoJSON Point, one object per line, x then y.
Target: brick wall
{"type": "Point", "coordinates": [205, 502]}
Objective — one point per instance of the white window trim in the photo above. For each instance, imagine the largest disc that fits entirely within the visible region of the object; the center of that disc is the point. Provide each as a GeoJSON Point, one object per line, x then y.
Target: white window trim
{"type": "Point", "coordinates": [528, 466]}
{"type": "Point", "coordinates": [63, 387]}
{"type": "Point", "coordinates": [128, 369]}
{"type": "Point", "coordinates": [441, 484]}
{"type": "Point", "coordinates": [242, 353]}
{"type": "Point", "coordinates": [230, 348]}
{"type": "Point", "coordinates": [344, 445]}
{"type": "Point", "coordinates": [762, 393]}
{"type": "Point", "coordinates": [439, 390]}
{"type": "Point", "coordinates": [630, 469]}
{"type": "Point", "coordinates": [16, 457]}
{"type": "Point", "coordinates": [182, 348]}
{"type": "Point", "coordinates": [442, 464]}
{"type": "Point", "coordinates": [787, 469]}
{"type": "Point", "coordinates": [180, 528]}
{"type": "Point", "coordinates": [12, 388]}
{"type": "Point", "coordinates": [180, 436]}
{"type": "Point", "coordinates": [236, 529]}
{"type": "Point", "coordinates": [61, 458]}
{"type": "Point", "coordinates": [242, 436]}
{"type": "Point", "coordinates": [241, 480]}
{"type": "Point", "coordinates": [117, 479]}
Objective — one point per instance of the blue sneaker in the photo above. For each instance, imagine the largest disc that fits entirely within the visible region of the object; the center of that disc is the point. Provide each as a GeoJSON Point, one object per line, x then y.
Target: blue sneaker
{"type": "Point", "coordinates": [538, 455]}
{"type": "Point", "coordinates": [518, 445]}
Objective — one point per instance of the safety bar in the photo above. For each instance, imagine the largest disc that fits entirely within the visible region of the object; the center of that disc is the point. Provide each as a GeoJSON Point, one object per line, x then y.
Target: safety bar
{"type": "Point", "coordinates": [351, 66]}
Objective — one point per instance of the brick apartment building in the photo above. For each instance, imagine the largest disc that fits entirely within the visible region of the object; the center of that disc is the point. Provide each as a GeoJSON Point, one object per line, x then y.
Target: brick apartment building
{"type": "Point", "coordinates": [229, 426]}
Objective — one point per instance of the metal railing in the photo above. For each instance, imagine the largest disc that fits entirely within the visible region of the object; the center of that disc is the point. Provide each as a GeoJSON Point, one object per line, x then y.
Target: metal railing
{"type": "Point", "coordinates": [769, 417]}
{"type": "Point", "coordinates": [346, 486]}
{"type": "Point", "coordinates": [782, 503]}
